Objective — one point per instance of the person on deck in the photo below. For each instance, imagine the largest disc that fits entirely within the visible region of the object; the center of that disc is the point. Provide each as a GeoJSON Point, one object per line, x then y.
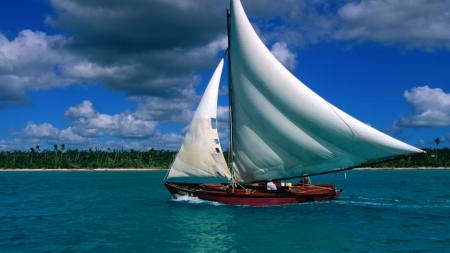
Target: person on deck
{"type": "Point", "coordinates": [271, 186]}
{"type": "Point", "coordinates": [305, 180]}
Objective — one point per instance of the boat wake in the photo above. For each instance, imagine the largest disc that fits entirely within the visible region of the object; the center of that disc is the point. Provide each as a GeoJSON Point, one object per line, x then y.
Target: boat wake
{"type": "Point", "coordinates": [193, 200]}
{"type": "Point", "coordinates": [391, 203]}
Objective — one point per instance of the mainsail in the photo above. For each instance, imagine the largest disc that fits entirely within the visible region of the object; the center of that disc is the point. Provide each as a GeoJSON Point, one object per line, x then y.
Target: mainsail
{"type": "Point", "coordinates": [200, 154]}
{"type": "Point", "coordinates": [281, 128]}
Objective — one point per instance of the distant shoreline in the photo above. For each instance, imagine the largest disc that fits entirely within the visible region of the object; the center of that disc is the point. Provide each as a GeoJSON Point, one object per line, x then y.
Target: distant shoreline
{"type": "Point", "coordinates": [88, 169]}
{"type": "Point", "coordinates": [165, 168]}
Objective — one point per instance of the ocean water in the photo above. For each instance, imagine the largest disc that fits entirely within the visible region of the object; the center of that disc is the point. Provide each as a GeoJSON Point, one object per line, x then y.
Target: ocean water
{"type": "Point", "coordinates": [131, 211]}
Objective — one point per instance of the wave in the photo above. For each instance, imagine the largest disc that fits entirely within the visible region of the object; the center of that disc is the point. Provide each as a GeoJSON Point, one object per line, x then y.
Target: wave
{"type": "Point", "coordinates": [390, 203]}
{"type": "Point", "coordinates": [193, 200]}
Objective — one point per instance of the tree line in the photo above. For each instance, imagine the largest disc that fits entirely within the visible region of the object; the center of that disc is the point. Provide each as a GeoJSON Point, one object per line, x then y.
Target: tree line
{"type": "Point", "coordinates": [432, 158]}
{"type": "Point", "coordinates": [59, 157]}
{"type": "Point", "coordinates": [85, 159]}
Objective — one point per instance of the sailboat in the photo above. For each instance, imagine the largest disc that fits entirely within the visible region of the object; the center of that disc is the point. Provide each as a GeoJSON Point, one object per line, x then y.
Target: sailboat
{"type": "Point", "coordinates": [280, 130]}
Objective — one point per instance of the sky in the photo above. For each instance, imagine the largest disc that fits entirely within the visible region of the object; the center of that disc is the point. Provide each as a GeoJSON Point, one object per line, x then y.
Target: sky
{"type": "Point", "coordinates": [129, 74]}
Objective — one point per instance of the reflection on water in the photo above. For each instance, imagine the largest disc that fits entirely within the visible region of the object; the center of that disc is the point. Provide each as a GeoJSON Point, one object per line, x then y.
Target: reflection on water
{"type": "Point", "coordinates": [197, 226]}
{"type": "Point", "coordinates": [202, 226]}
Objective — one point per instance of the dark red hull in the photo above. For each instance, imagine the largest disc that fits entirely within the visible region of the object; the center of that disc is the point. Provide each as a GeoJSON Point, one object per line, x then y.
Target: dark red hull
{"type": "Point", "coordinates": [254, 195]}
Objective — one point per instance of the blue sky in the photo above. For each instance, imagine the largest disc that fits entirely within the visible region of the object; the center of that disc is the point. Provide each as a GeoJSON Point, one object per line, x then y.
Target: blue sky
{"type": "Point", "coordinates": [129, 74]}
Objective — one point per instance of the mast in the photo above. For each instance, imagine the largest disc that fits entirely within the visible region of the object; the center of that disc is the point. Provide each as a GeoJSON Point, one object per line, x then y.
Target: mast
{"type": "Point", "coordinates": [230, 100]}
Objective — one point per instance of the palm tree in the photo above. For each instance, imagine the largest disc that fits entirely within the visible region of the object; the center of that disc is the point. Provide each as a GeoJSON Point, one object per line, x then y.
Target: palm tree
{"type": "Point", "coordinates": [32, 152]}
{"type": "Point", "coordinates": [37, 150]}
{"type": "Point", "coordinates": [55, 148]}
{"type": "Point", "coordinates": [437, 143]}
{"type": "Point", "coordinates": [62, 149]}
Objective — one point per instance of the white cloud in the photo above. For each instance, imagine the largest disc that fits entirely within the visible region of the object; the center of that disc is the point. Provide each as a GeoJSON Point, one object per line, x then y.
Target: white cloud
{"type": "Point", "coordinates": [67, 136]}
{"type": "Point", "coordinates": [178, 109]}
{"type": "Point", "coordinates": [446, 138]}
{"type": "Point", "coordinates": [173, 140]}
{"type": "Point", "coordinates": [20, 144]}
{"type": "Point", "coordinates": [90, 124]}
{"type": "Point", "coordinates": [421, 143]}
{"type": "Point", "coordinates": [223, 113]}
{"type": "Point", "coordinates": [431, 108]}
{"type": "Point", "coordinates": [83, 110]}
{"type": "Point", "coordinates": [53, 135]}
{"type": "Point", "coordinates": [129, 127]}
{"type": "Point", "coordinates": [83, 128]}
{"type": "Point", "coordinates": [212, 48]}
{"type": "Point", "coordinates": [118, 125]}
{"type": "Point", "coordinates": [72, 141]}
{"type": "Point", "coordinates": [92, 71]}
{"type": "Point", "coordinates": [414, 23]}
{"type": "Point", "coordinates": [45, 130]}
{"type": "Point", "coordinates": [30, 62]}
{"type": "Point", "coordinates": [122, 126]}
{"type": "Point", "coordinates": [282, 53]}
{"type": "Point", "coordinates": [35, 61]}
{"type": "Point", "coordinates": [170, 141]}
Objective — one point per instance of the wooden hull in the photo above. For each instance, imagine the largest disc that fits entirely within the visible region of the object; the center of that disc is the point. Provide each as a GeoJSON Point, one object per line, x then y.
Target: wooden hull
{"type": "Point", "coordinates": [254, 195]}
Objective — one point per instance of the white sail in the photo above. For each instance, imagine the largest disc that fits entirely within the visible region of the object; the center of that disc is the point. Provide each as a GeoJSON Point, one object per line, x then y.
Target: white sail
{"type": "Point", "coordinates": [200, 154]}
{"type": "Point", "coordinates": [281, 128]}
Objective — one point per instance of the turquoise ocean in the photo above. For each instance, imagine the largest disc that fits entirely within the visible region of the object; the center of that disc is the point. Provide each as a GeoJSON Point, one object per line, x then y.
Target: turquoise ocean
{"type": "Point", "coordinates": [131, 211]}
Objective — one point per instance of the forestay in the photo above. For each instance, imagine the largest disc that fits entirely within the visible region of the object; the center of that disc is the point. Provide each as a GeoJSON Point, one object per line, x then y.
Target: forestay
{"type": "Point", "coordinates": [200, 154]}
{"type": "Point", "coordinates": [281, 128]}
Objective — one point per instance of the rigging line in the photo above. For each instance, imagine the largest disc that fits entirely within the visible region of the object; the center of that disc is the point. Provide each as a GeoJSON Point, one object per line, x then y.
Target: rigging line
{"type": "Point", "coordinates": [173, 161]}
{"type": "Point", "coordinates": [225, 53]}
{"type": "Point", "coordinates": [368, 141]}
{"type": "Point", "coordinates": [390, 159]}
{"type": "Point", "coordinates": [247, 191]}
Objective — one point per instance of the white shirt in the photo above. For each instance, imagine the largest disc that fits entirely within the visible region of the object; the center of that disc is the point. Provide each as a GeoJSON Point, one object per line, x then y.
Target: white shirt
{"type": "Point", "coordinates": [271, 186]}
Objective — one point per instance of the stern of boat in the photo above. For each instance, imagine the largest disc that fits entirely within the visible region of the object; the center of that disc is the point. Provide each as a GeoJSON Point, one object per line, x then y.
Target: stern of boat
{"type": "Point", "coordinates": [338, 193]}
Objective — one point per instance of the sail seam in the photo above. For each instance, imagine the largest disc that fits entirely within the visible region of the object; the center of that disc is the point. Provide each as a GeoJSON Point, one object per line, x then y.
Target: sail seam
{"type": "Point", "coordinates": [352, 129]}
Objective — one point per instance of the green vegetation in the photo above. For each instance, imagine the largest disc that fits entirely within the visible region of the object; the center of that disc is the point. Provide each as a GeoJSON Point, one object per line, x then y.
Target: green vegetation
{"type": "Point", "coordinates": [430, 159]}
{"type": "Point", "coordinates": [95, 158]}
{"type": "Point", "coordinates": [90, 159]}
